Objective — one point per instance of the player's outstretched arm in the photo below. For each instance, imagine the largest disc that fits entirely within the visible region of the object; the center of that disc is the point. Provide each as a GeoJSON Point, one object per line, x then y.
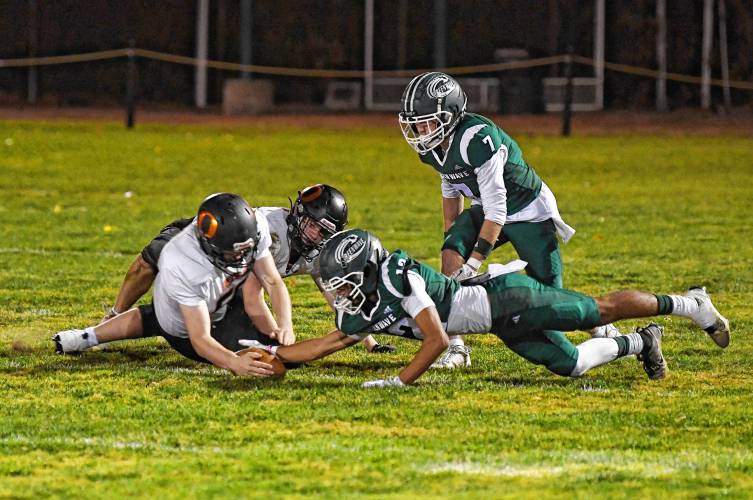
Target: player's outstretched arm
{"type": "Point", "coordinates": [309, 350]}
{"type": "Point", "coordinates": [256, 307]}
{"type": "Point", "coordinates": [434, 343]}
{"type": "Point", "coordinates": [199, 326]}
{"type": "Point", "coordinates": [266, 271]}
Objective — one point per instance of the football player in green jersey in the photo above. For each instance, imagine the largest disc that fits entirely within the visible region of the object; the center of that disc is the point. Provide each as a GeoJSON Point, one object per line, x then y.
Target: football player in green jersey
{"type": "Point", "coordinates": [477, 160]}
{"type": "Point", "coordinates": [391, 293]}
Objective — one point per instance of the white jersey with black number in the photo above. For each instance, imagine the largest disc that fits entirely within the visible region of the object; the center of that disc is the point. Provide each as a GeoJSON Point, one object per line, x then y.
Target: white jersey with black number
{"type": "Point", "coordinates": [280, 248]}
{"type": "Point", "coordinates": [187, 277]}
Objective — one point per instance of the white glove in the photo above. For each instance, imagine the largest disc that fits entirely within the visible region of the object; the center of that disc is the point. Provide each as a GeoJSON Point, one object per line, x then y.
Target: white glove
{"type": "Point", "coordinates": [469, 270]}
{"type": "Point", "coordinates": [271, 349]}
{"type": "Point", "coordinates": [390, 382]}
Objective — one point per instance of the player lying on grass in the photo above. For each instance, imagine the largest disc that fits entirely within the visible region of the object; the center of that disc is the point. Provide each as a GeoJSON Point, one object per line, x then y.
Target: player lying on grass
{"type": "Point", "coordinates": [476, 159]}
{"type": "Point", "coordinates": [297, 233]}
{"type": "Point", "coordinates": [196, 307]}
{"type": "Point", "coordinates": [377, 291]}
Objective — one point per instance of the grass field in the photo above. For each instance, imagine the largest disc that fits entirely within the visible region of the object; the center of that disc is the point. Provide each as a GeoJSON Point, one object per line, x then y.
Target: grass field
{"type": "Point", "coordinates": [656, 213]}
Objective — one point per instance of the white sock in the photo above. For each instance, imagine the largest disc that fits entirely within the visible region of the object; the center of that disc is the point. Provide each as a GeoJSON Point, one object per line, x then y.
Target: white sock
{"type": "Point", "coordinates": [456, 341]}
{"type": "Point", "coordinates": [592, 353]}
{"type": "Point", "coordinates": [91, 337]}
{"type": "Point", "coordinates": [683, 306]}
{"type": "Point", "coordinates": [635, 343]}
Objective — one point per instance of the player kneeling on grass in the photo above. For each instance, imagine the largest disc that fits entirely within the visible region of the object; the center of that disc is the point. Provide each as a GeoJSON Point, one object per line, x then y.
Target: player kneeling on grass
{"type": "Point", "coordinates": [378, 291]}
{"type": "Point", "coordinates": [476, 159]}
{"type": "Point", "coordinates": [201, 268]}
{"type": "Point", "coordinates": [297, 233]}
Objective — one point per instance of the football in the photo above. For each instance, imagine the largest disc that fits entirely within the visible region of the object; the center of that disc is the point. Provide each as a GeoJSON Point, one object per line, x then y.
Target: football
{"type": "Point", "coordinates": [266, 357]}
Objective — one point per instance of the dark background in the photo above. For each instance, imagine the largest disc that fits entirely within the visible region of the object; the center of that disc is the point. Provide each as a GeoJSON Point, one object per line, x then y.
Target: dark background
{"type": "Point", "coordinates": [329, 34]}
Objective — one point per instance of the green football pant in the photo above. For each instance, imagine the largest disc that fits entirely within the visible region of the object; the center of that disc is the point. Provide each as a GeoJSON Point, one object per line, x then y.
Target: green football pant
{"type": "Point", "coordinates": [534, 242]}
{"type": "Point", "coordinates": [526, 316]}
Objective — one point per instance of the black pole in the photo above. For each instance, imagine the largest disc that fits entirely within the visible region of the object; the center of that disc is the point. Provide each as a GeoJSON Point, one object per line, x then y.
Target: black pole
{"type": "Point", "coordinates": [33, 77]}
{"type": "Point", "coordinates": [440, 29]}
{"type": "Point", "coordinates": [131, 86]}
{"type": "Point", "coordinates": [567, 111]}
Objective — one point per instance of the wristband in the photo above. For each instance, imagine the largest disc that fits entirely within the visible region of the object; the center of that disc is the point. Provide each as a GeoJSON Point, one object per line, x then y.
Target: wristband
{"type": "Point", "coordinates": [483, 247]}
{"type": "Point", "coordinates": [114, 311]}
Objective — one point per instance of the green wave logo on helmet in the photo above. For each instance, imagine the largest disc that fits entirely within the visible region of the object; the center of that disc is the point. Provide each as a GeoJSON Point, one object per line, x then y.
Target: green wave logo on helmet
{"type": "Point", "coordinates": [349, 269]}
{"type": "Point", "coordinates": [349, 248]}
{"type": "Point", "coordinates": [441, 86]}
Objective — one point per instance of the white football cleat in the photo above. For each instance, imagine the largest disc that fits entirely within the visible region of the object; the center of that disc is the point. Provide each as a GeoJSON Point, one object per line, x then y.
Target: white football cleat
{"type": "Point", "coordinates": [608, 331]}
{"type": "Point", "coordinates": [71, 341]}
{"type": "Point", "coordinates": [708, 318]}
{"type": "Point", "coordinates": [454, 357]}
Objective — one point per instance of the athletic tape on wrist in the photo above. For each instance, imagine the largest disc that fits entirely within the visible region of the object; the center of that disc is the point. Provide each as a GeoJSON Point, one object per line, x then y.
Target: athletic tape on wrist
{"type": "Point", "coordinates": [483, 247]}
{"type": "Point", "coordinates": [474, 263]}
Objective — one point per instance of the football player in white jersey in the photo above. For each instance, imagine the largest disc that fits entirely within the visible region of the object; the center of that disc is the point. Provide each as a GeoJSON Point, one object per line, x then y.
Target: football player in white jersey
{"type": "Point", "coordinates": [201, 268]}
{"type": "Point", "coordinates": [297, 235]}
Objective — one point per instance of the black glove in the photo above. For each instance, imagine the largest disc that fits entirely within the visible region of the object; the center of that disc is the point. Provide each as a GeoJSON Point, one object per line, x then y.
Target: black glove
{"type": "Point", "coordinates": [384, 349]}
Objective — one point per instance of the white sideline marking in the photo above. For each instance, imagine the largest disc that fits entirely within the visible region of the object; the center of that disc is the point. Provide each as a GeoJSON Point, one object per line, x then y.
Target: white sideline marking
{"type": "Point", "coordinates": [590, 388]}
{"type": "Point", "coordinates": [578, 463]}
{"type": "Point", "coordinates": [506, 470]}
{"type": "Point", "coordinates": [55, 252]}
{"type": "Point", "coordinates": [204, 370]}
{"type": "Point", "coordinates": [40, 312]}
{"type": "Point", "coordinates": [104, 443]}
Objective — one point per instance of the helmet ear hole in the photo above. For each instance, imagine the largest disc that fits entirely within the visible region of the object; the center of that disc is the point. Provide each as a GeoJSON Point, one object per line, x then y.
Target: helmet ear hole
{"type": "Point", "coordinates": [227, 232]}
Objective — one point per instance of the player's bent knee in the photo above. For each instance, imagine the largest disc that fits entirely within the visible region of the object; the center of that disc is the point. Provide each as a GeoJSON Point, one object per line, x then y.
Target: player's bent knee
{"type": "Point", "coordinates": [606, 308]}
{"type": "Point", "coordinates": [564, 367]}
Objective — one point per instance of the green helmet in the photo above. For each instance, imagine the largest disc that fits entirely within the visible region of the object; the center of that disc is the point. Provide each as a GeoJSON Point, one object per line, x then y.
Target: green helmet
{"type": "Point", "coordinates": [351, 259]}
{"type": "Point", "coordinates": [433, 104]}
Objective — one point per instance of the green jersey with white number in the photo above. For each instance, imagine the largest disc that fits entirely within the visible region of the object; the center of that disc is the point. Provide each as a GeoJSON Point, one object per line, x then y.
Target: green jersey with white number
{"type": "Point", "coordinates": [475, 140]}
{"type": "Point", "coordinates": [388, 316]}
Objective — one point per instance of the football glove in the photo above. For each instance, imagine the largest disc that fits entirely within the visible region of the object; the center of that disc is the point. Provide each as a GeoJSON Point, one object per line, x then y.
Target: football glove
{"type": "Point", "coordinates": [383, 349]}
{"type": "Point", "coordinates": [271, 349]}
{"type": "Point", "coordinates": [469, 270]}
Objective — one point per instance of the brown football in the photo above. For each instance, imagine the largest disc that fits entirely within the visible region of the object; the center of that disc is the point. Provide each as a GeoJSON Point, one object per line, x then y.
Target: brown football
{"type": "Point", "coordinates": [277, 365]}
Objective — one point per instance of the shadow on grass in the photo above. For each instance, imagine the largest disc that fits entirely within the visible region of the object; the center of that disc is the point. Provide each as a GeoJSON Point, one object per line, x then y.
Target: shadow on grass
{"type": "Point", "coordinates": [238, 384]}
{"type": "Point", "coordinates": [363, 365]}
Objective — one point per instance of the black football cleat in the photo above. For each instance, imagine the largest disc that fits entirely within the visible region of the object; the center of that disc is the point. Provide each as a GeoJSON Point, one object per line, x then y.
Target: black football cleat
{"type": "Point", "coordinates": [653, 360]}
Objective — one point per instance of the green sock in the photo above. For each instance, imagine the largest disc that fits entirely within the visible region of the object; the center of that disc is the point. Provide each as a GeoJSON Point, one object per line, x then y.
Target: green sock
{"type": "Point", "coordinates": [622, 345]}
{"type": "Point", "coordinates": [632, 343]}
{"type": "Point", "coordinates": [665, 304]}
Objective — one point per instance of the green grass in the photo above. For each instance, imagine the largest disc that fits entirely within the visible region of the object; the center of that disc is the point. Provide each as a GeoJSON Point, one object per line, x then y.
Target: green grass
{"type": "Point", "coordinates": [652, 213]}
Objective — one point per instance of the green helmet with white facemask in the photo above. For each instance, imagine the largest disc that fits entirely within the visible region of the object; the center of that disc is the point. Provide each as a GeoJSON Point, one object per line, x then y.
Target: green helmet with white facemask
{"type": "Point", "coordinates": [433, 104]}
{"type": "Point", "coordinates": [351, 260]}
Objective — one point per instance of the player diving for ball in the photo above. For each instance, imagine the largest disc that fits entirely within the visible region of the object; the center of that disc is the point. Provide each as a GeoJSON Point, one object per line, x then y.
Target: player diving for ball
{"type": "Point", "coordinates": [195, 306]}
{"type": "Point", "coordinates": [391, 293]}
{"type": "Point", "coordinates": [476, 159]}
{"type": "Point", "coordinates": [297, 235]}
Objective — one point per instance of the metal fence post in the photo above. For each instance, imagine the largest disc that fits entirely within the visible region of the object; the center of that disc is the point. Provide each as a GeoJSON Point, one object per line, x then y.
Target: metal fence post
{"type": "Point", "coordinates": [131, 85]}
{"type": "Point", "coordinates": [567, 110]}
